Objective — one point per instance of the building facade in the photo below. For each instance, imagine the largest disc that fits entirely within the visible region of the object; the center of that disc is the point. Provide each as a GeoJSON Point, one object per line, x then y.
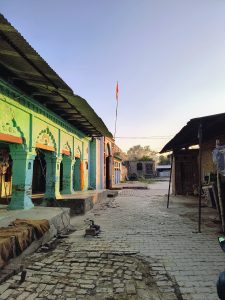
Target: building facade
{"type": "Point", "coordinates": [140, 168]}
{"type": "Point", "coordinates": [120, 170]}
{"type": "Point", "coordinates": [51, 140]}
{"type": "Point", "coordinates": [163, 170]}
{"type": "Point", "coordinates": [186, 155]}
{"type": "Point", "coordinates": [108, 162]}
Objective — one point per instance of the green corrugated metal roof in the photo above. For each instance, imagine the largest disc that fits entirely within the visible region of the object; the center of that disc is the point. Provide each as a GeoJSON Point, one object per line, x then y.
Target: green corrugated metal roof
{"type": "Point", "coordinates": [24, 68]}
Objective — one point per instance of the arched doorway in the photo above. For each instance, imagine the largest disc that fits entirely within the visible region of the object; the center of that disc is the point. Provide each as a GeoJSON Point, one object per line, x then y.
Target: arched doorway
{"type": "Point", "coordinates": [76, 175]}
{"type": "Point", "coordinates": [46, 141]}
{"type": "Point", "coordinates": [22, 166]}
{"type": "Point", "coordinates": [5, 173]}
{"type": "Point", "coordinates": [39, 173]}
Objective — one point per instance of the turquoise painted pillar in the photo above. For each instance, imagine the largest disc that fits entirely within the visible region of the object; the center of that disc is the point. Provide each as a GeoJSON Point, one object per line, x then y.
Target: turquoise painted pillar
{"type": "Point", "coordinates": [68, 165]}
{"type": "Point", "coordinates": [92, 164]}
{"type": "Point", "coordinates": [102, 163]}
{"type": "Point", "coordinates": [22, 174]}
{"type": "Point", "coordinates": [52, 175]}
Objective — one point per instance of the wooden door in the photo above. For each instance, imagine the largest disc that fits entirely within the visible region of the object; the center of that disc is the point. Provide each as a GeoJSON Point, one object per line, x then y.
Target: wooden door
{"type": "Point", "coordinates": [186, 173]}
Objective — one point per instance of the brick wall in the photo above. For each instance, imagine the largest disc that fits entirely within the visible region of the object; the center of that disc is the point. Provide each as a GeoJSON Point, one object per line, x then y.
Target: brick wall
{"type": "Point", "coordinates": [132, 169]}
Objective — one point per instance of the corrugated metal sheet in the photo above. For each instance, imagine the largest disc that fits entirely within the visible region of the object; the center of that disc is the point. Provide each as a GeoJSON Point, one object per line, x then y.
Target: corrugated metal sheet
{"type": "Point", "coordinates": [25, 69]}
{"type": "Point", "coordinates": [213, 126]}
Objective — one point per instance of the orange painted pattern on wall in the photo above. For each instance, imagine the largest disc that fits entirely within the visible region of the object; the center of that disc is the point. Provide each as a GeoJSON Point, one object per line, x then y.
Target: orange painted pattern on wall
{"type": "Point", "coordinates": [11, 138]}
{"type": "Point", "coordinates": [81, 175]}
{"type": "Point", "coordinates": [45, 147]}
{"type": "Point", "coordinates": [66, 152]}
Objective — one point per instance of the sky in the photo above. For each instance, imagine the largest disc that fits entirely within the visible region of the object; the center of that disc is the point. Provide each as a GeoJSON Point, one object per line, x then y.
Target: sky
{"type": "Point", "coordinates": [167, 55]}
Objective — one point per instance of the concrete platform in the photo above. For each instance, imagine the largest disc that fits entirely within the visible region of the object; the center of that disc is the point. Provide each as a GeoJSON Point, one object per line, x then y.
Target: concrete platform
{"type": "Point", "coordinates": [57, 217]}
{"type": "Point", "coordinates": [81, 202]}
{"type": "Point", "coordinates": [131, 185]}
{"type": "Point", "coordinates": [59, 220]}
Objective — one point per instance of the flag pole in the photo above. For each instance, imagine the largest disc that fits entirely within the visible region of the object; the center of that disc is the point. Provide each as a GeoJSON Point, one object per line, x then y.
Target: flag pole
{"type": "Point", "coordinates": [117, 95]}
{"type": "Point", "coordinates": [116, 119]}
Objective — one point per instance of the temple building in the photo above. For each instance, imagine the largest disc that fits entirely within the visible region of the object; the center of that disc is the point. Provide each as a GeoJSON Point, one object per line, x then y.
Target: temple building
{"type": "Point", "coordinates": [51, 141]}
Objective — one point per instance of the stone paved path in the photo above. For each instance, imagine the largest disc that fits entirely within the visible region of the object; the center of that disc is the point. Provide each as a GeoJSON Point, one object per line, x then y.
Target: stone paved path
{"type": "Point", "coordinates": [144, 252]}
{"type": "Point", "coordinates": [89, 268]}
{"type": "Point", "coordinates": [140, 218]}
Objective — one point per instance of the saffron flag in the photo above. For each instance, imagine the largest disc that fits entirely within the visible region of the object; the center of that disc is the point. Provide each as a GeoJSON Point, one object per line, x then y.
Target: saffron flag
{"type": "Point", "coordinates": [117, 91]}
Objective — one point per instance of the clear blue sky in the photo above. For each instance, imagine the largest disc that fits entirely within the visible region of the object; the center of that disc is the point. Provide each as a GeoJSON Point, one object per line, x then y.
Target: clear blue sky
{"type": "Point", "coordinates": [168, 56]}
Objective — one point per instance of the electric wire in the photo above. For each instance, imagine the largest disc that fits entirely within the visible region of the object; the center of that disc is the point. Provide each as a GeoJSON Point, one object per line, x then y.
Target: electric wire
{"type": "Point", "coordinates": [144, 137]}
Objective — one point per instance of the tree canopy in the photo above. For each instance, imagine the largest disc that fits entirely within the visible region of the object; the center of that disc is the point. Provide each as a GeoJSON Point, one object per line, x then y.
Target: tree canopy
{"type": "Point", "coordinates": [164, 160]}
{"type": "Point", "coordinates": [141, 153]}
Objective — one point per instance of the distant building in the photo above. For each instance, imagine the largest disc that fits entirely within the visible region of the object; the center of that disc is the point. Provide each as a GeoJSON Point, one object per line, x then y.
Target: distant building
{"type": "Point", "coordinates": [120, 168]}
{"type": "Point", "coordinates": [51, 140]}
{"type": "Point", "coordinates": [140, 168]}
{"type": "Point", "coordinates": [163, 170]}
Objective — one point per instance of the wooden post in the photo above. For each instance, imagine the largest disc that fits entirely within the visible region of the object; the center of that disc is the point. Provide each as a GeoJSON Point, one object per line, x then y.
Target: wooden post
{"type": "Point", "coordinates": [200, 178]}
{"type": "Point", "coordinates": [219, 194]}
{"type": "Point", "coordinates": [171, 170]}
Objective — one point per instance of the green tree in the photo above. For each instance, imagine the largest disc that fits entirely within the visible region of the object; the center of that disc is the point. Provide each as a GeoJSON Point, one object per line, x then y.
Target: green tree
{"type": "Point", "coordinates": [138, 152]}
{"type": "Point", "coordinates": [164, 160]}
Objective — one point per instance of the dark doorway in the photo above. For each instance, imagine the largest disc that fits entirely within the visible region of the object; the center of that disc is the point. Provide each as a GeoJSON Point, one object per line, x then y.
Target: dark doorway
{"type": "Point", "coordinates": [39, 173]}
{"type": "Point", "coordinates": [61, 177]}
{"type": "Point", "coordinates": [149, 169]}
{"type": "Point", "coordinates": [76, 175]}
{"type": "Point", "coordinates": [109, 172]}
{"type": "Point", "coordinates": [108, 167]}
{"type": "Point", "coordinates": [5, 173]}
{"type": "Point", "coordinates": [139, 166]}
{"type": "Point", "coordinates": [186, 171]}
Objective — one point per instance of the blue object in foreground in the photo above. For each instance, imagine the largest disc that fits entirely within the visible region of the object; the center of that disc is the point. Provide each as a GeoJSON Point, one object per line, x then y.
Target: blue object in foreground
{"type": "Point", "coordinates": [221, 286]}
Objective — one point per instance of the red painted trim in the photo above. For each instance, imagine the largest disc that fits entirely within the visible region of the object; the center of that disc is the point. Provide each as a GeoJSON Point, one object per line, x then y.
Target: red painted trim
{"type": "Point", "coordinates": [66, 152]}
{"type": "Point", "coordinates": [45, 147]}
{"type": "Point", "coordinates": [11, 138]}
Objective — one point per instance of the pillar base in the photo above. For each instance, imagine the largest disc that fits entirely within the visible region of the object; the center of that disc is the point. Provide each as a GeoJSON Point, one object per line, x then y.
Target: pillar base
{"type": "Point", "coordinates": [50, 202]}
{"type": "Point", "coordinates": [51, 196]}
{"type": "Point", "coordinates": [22, 170]}
{"type": "Point", "coordinates": [17, 205]}
{"type": "Point", "coordinates": [67, 192]}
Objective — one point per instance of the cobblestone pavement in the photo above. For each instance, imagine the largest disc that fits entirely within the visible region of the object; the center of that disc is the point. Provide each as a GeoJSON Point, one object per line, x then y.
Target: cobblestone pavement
{"type": "Point", "coordinates": [89, 268]}
{"type": "Point", "coordinates": [140, 218]}
{"type": "Point", "coordinates": [143, 252]}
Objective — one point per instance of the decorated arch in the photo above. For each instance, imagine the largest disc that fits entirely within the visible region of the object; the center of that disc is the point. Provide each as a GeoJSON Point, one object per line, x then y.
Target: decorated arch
{"type": "Point", "coordinates": [77, 153]}
{"type": "Point", "coordinates": [10, 131]}
{"type": "Point", "coordinates": [46, 141]}
{"type": "Point", "coordinates": [66, 150]}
